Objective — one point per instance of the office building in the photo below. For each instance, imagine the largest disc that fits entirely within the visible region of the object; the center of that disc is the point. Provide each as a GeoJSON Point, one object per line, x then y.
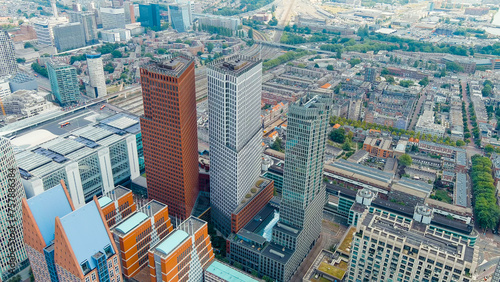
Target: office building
{"type": "Point", "coordinates": [217, 271]}
{"type": "Point", "coordinates": [150, 16]}
{"type": "Point", "coordinates": [8, 64]}
{"type": "Point", "coordinates": [234, 92]}
{"type": "Point", "coordinates": [117, 204]}
{"type": "Point", "coordinates": [92, 159]}
{"type": "Point", "coordinates": [23, 81]}
{"type": "Point", "coordinates": [115, 35]}
{"type": "Point", "coordinates": [44, 29]}
{"type": "Point", "coordinates": [96, 87]}
{"type": "Point", "coordinates": [88, 23]}
{"type": "Point", "coordinates": [135, 234]}
{"type": "Point", "coordinates": [112, 18]}
{"type": "Point", "coordinates": [180, 17]}
{"type": "Point", "coordinates": [183, 254]}
{"type": "Point", "coordinates": [218, 21]}
{"type": "Point", "coordinates": [169, 132]}
{"type": "Point", "coordinates": [389, 248]}
{"type": "Point", "coordinates": [4, 88]}
{"type": "Point", "coordinates": [69, 36]}
{"type": "Point", "coordinates": [65, 244]}
{"type": "Point", "coordinates": [129, 12]}
{"type": "Point", "coordinates": [12, 252]}
{"type": "Point", "coordinates": [304, 193]}
{"type": "Point", "coordinates": [63, 82]}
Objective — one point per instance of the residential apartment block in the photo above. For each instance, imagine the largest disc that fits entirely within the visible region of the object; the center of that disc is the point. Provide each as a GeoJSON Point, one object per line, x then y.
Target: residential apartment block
{"type": "Point", "coordinates": [379, 147]}
{"type": "Point", "coordinates": [63, 83]}
{"type": "Point", "coordinates": [389, 248]}
{"type": "Point", "coordinates": [427, 125]}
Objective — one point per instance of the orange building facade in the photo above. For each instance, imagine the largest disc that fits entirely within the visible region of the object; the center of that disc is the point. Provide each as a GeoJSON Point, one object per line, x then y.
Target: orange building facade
{"type": "Point", "coordinates": [135, 234]}
{"type": "Point", "coordinates": [117, 204]}
{"type": "Point", "coordinates": [169, 134]}
{"type": "Point", "coordinates": [184, 252]}
{"type": "Point", "coordinates": [246, 211]}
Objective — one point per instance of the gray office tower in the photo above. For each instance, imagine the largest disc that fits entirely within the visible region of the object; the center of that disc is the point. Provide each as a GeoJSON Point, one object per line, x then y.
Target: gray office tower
{"type": "Point", "coordinates": [234, 94]}
{"type": "Point", "coordinates": [8, 63]}
{"type": "Point", "coordinates": [304, 192]}
{"type": "Point", "coordinates": [69, 36]}
{"type": "Point", "coordinates": [89, 26]}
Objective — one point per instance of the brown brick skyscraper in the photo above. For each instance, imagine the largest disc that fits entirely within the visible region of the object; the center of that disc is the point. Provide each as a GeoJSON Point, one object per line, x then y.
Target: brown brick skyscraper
{"type": "Point", "coordinates": [169, 133]}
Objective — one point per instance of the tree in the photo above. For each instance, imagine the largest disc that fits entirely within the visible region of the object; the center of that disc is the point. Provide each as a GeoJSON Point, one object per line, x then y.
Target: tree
{"type": "Point", "coordinates": [487, 90]}
{"type": "Point", "coordinates": [467, 135]}
{"type": "Point", "coordinates": [337, 135]}
{"type": "Point", "coordinates": [16, 278]}
{"type": "Point", "coordinates": [489, 149]}
{"type": "Point", "coordinates": [316, 65]}
{"type": "Point", "coordinates": [278, 145]}
{"type": "Point", "coordinates": [20, 60]}
{"type": "Point", "coordinates": [210, 47]}
{"type": "Point", "coordinates": [460, 143]}
{"type": "Point", "coordinates": [250, 33]}
{"type": "Point", "coordinates": [329, 67]}
{"type": "Point", "coordinates": [28, 45]}
{"type": "Point", "coordinates": [346, 146]}
{"type": "Point", "coordinates": [116, 54]}
{"type": "Point", "coordinates": [389, 79]}
{"type": "Point", "coordinates": [161, 51]}
{"type": "Point", "coordinates": [109, 68]}
{"type": "Point", "coordinates": [405, 160]}
{"type": "Point", "coordinates": [424, 82]}
{"type": "Point", "coordinates": [149, 55]}
{"type": "Point", "coordinates": [406, 83]}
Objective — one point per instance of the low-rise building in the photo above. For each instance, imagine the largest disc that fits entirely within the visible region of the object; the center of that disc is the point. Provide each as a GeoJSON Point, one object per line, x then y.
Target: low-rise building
{"type": "Point", "coordinates": [378, 147]}
{"type": "Point", "coordinates": [217, 271]}
{"type": "Point", "coordinates": [426, 125]}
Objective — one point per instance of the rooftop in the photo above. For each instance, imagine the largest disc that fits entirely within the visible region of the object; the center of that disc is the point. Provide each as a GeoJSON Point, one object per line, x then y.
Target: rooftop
{"type": "Point", "coordinates": [86, 233]}
{"type": "Point", "coordinates": [45, 207]}
{"type": "Point", "coordinates": [131, 222]}
{"type": "Point", "coordinates": [235, 65]}
{"type": "Point", "coordinates": [362, 170]}
{"type": "Point", "coordinates": [460, 191]}
{"type": "Point", "coordinates": [172, 241]}
{"type": "Point", "coordinates": [173, 67]}
{"type": "Point", "coordinates": [228, 273]}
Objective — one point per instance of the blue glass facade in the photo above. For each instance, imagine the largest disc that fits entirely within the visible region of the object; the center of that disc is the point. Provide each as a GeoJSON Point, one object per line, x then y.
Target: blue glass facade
{"type": "Point", "coordinates": [51, 265]}
{"type": "Point", "coordinates": [150, 16]}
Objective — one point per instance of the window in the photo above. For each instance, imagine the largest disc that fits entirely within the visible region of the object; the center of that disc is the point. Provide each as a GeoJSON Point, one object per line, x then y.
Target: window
{"type": "Point", "coordinates": [93, 276]}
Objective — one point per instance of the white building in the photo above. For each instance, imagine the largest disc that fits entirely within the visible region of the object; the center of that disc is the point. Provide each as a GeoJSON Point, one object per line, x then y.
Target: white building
{"type": "Point", "coordinates": [8, 64]}
{"type": "Point", "coordinates": [11, 228]}
{"type": "Point", "coordinates": [4, 88]}
{"type": "Point", "coordinates": [44, 29]}
{"type": "Point", "coordinates": [426, 125]}
{"type": "Point", "coordinates": [113, 18]}
{"type": "Point", "coordinates": [115, 35]}
{"type": "Point", "coordinates": [97, 81]}
{"type": "Point", "coordinates": [91, 160]}
{"type": "Point", "coordinates": [234, 93]}
{"type": "Point", "coordinates": [26, 103]}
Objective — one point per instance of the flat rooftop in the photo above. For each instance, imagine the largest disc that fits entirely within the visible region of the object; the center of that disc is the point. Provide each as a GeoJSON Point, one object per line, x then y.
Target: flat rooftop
{"type": "Point", "coordinates": [228, 273]}
{"type": "Point", "coordinates": [235, 65]}
{"type": "Point", "coordinates": [173, 67]}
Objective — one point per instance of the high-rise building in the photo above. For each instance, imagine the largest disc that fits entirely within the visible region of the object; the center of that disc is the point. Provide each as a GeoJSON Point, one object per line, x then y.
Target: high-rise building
{"type": "Point", "coordinates": [304, 192]}
{"type": "Point", "coordinates": [169, 134]}
{"type": "Point", "coordinates": [129, 12]}
{"type": "Point", "coordinates": [63, 82]}
{"type": "Point", "coordinates": [183, 254]}
{"type": "Point", "coordinates": [13, 256]}
{"type": "Point", "coordinates": [112, 18]}
{"type": "Point", "coordinates": [180, 16]}
{"type": "Point", "coordinates": [150, 16]}
{"type": "Point", "coordinates": [8, 64]}
{"type": "Point", "coordinates": [97, 81]}
{"type": "Point", "coordinates": [45, 29]}
{"type": "Point", "coordinates": [88, 23]}
{"type": "Point", "coordinates": [69, 36]}
{"type": "Point", "coordinates": [234, 92]}
{"type": "Point", "coordinates": [390, 248]}
{"type": "Point", "coordinates": [65, 244]}
{"type": "Point", "coordinates": [138, 232]}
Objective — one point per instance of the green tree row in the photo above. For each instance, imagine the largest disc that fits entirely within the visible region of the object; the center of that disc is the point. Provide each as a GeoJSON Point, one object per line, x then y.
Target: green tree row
{"type": "Point", "coordinates": [485, 205]}
{"type": "Point", "coordinates": [290, 55]}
